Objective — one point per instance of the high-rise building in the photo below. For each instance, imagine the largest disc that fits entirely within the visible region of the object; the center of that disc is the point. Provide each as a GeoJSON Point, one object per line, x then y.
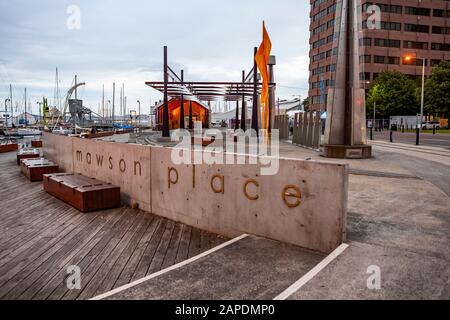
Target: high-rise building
{"type": "Point", "coordinates": [409, 33]}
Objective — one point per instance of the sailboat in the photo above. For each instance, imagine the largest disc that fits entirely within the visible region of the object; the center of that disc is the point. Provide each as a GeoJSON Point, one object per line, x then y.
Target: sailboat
{"type": "Point", "coordinates": [20, 132]}
{"type": "Point", "coordinates": [25, 132]}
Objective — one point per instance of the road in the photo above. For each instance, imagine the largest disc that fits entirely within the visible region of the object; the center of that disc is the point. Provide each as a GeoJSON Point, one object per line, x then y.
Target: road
{"type": "Point", "coordinates": [431, 171]}
{"type": "Point", "coordinates": [426, 139]}
{"type": "Point", "coordinates": [399, 225]}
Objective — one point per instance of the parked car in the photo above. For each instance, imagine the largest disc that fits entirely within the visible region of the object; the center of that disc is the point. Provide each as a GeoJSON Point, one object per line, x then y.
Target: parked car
{"type": "Point", "coordinates": [430, 124]}
{"type": "Point", "coordinates": [216, 124]}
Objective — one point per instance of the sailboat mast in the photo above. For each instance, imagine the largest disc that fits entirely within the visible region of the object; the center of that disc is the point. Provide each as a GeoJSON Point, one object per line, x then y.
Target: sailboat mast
{"type": "Point", "coordinates": [76, 87]}
{"type": "Point", "coordinates": [103, 101]}
{"type": "Point", "coordinates": [11, 102]}
{"type": "Point", "coordinates": [25, 107]}
{"type": "Point", "coordinates": [123, 102]}
{"type": "Point", "coordinates": [113, 104]}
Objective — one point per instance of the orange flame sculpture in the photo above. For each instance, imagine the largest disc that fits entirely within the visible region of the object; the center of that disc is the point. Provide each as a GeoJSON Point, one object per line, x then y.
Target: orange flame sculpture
{"type": "Point", "coordinates": [262, 60]}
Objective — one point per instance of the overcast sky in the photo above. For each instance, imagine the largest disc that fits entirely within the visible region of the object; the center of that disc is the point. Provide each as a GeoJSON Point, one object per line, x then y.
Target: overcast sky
{"type": "Point", "coordinates": [122, 41]}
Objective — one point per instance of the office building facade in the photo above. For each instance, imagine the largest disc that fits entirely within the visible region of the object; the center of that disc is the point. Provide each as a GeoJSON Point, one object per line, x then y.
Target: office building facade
{"type": "Point", "coordinates": [410, 33]}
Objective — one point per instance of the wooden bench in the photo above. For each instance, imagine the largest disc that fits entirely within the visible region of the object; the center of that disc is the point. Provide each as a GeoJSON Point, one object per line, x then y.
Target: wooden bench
{"type": "Point", "coordinates": [84, 193]}
{"type": "Point", "coordinates": [34, 169]}
{"type": "Point", "coordinates": [8, 147]}
{"type": "Point", "coordinates": [36, 143]}
{"type": "Point", "coordinates": [27, 154]}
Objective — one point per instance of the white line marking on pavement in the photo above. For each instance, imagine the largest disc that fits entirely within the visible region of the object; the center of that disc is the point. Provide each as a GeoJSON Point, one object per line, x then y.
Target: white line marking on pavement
{"type": "Point", "coordinates": [311, 273]}
{"type": "Point", "coordinates": [175, 266]}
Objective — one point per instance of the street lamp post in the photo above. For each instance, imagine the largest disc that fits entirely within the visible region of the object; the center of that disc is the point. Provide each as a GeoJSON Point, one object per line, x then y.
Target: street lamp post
{"type": "Point", "coordinates": [409, 58]}
{"type": "Point", "coordinates": [422, 93]}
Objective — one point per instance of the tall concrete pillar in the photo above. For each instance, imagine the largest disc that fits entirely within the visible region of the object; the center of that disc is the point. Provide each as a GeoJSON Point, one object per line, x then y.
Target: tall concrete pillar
{"type": "Point", "coordinates": [345, 132]}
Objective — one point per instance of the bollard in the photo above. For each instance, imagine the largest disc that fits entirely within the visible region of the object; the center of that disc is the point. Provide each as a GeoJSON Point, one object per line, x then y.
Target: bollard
{"type": "Point", "coordinates": [390, 135]}
{"type": "Point", "coordinates": [403, 128]}
{"type": "Point", "coordinates": [417, 136]}
{"type": "Point", "coordinates": [371, 133]}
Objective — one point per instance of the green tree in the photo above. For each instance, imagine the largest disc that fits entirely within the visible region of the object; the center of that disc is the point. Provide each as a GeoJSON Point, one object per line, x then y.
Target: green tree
{"type": "Point", "coordinates": [437, 91]}
{"type": "Point", "coordinates": [394, 94]}
{"type": "Point", "coordinates": [305, 104]}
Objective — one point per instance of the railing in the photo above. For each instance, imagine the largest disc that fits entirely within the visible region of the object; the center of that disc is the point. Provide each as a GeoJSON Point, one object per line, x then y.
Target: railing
{"type": "Point", "coordinates": [307, 129]}
{"type": "Point", "coordinates": [281, 123]}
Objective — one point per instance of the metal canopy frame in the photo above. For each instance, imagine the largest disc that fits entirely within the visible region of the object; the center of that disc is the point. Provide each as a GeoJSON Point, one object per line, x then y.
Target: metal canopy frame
{"type": "Point", "coordinates": [208, 91]}
{"type": "Point", "coordinates": [249, 89]}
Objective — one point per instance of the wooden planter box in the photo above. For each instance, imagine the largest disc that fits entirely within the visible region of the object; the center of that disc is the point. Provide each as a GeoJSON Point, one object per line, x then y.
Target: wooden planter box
{"type": "Point", "coordinates": [84, 193]}
{"type": "Point", "coordinates": [34, 169]}
{"type": "Point", "coordinates": [8, 147]}
{"type": "Point", "coordinates": [36, 143]}
{"type": "Point", "coordinates": [27, 154]}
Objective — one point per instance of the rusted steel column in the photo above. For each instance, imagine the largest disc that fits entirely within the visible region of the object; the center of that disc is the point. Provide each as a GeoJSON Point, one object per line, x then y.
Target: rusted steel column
{"type": "Point", "coordinates": [286, 127]}
{"type": "Point", "coordinates": [300, 128]}
{"type": "Point", "coordinates": [182, 126]}
{"type": "Point", "coordinates": [317, 131]}
{"type": "Point", "coordinates": [165, 128]}
{"type": "Point", "coordinates": [305, 129]}
{"type": "Point", "coordinates": [191, 124]}
{"type": "Point", "coordinates": [295, 131]}
{"type": "Point", "coordinates": [310, 128]}
{"type": "Point", "coordinates": [244, 105]}
{"type": "Point", "coordinates": [236, 124]}
{"type": "Point", "coordinates": [255, 94]}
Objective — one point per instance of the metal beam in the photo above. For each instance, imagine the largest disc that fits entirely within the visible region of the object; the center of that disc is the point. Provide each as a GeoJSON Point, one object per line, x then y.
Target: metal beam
{"type": "Point", "coordinates": [191, 124]}
{"type": "Point", "coordinates": [187, 83]}
{"type": "Point", "coordinates": [182, 104]}
{"type": "Point", "coordinates": [255, 94]}
{"type": "Point", "coordinates": [165, 128]}
{"type": "Point", "coordinates": [244, 106]}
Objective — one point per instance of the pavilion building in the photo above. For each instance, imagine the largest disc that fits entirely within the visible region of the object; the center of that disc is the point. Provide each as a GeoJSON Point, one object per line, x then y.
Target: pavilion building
{"type": "Point", "coordinates": [200, 113]}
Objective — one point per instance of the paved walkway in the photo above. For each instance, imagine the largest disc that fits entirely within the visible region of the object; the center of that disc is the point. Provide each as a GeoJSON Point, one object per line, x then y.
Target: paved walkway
{"type": "Point", "coordinates": [398, 220]}
{"type": "Point", "coordinates": [398, 223]}
{"type": "Point", "coordinates": [249, 268]}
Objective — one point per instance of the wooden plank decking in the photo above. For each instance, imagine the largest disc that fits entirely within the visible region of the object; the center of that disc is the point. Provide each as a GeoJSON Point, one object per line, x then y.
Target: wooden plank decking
{"type": "Point", "coordinates": [40, 237]}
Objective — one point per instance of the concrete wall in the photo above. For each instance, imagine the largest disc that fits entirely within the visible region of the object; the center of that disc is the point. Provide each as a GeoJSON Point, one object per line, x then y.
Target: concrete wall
{"type": "Point", "coordinates": [124, 165]}
{"type": "Point", "coordinates": [58, 149]}
{"type": "Point", "coordinates": [304, 204]}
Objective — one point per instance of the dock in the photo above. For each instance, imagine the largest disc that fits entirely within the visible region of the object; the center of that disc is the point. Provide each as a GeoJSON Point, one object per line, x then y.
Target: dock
{"type": "Point", "coordinates": [41, 237]}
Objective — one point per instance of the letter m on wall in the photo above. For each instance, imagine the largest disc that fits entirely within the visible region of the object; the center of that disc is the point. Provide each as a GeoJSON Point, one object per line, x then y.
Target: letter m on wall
{"type": "Point", "coordinates": [79, 155]}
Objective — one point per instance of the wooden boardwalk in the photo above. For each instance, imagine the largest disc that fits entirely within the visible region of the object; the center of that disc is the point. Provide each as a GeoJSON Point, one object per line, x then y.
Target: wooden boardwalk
{"type": "Point", "coordinates": [40, 237]}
